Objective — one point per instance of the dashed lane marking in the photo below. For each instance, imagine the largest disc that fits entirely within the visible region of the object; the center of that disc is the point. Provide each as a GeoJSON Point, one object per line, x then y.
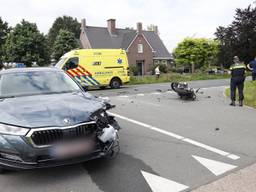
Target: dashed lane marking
{"type": "Point", "coordinates": [205, 88]}
{"type": "Point", "coordinates": [179, 137]}
{"type": "Point", "coordinates": [123, 96]}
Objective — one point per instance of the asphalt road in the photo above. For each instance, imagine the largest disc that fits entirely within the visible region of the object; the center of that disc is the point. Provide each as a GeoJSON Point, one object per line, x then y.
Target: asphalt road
{"type": "Point", "coordinates": [166, 144]}
{"type": "Point", "coordinates": [135, 89]}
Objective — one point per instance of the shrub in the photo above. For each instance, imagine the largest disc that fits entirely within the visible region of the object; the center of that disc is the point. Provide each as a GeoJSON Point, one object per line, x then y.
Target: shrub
{"type": "Point", "coordinates": [163, 68]}
{"type": "Point", "coordinates": [134, 70]}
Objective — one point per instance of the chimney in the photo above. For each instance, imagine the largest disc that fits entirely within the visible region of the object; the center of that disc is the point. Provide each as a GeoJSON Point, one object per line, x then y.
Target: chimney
{"type": "Point", "coordinates": [83, 23]}
{"type": "Point", "coordinates": [156, 30]}
{"type": "Point", "coordinates": [112, 26]}
{"type": "Point", "coordinates": [139, 27]}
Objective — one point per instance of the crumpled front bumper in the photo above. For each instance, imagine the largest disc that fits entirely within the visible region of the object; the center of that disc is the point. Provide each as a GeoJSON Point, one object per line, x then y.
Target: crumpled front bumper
{"type": "Point", "coordinates": [17, 153]}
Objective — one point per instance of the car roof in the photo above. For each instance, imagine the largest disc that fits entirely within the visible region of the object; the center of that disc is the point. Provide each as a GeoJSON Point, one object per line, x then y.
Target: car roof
{"type": "Point", "coordinates": [29, 69]}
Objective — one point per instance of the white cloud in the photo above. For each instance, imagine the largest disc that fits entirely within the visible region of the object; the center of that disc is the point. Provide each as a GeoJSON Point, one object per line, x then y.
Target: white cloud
{"type": "Point", "coordinates": [176, 19]}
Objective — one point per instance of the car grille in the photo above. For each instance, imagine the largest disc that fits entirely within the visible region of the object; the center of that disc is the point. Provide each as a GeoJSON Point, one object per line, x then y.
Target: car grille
{"type": "Point", "coordinates": [50, 136]}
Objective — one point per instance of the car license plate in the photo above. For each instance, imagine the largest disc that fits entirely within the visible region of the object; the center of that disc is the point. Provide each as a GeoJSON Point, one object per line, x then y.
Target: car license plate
{"type": "Point", "coordinates": [72, 149]}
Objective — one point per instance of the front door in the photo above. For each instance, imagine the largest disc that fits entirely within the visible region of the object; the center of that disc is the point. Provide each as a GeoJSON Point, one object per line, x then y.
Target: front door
{"type": "Point", "coordinates": [140, 67]}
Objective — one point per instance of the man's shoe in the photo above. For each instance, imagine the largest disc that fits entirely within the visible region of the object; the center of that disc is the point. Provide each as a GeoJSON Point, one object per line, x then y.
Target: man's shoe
{"type": "Point", "coordinates": [233, 103]}
{"type": "Point", "coordinates": [241, 103]}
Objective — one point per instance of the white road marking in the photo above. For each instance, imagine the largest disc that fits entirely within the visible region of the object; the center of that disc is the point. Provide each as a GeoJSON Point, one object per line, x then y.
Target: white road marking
{"type": "Point", "coordinates": [212, 149]}
{"type": "Point", "coordinates": [123, 96]}
{"type": "Point", "coordinates": [204, 88]}
{"type": "Point", "coordinates": [140, 94]}
{"type": "Point", "coordinates": [179, 137]}
{"type": "Point", "coordinates": [160, 184]}
{"type": "Point", "coordinates": [216, 167]}
{"type": "Point", "coordinates": [105, 99]}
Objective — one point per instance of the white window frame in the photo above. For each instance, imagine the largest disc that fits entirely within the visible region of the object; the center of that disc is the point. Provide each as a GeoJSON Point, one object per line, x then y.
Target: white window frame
{"type": "Point", "coordinates": [140, 48]}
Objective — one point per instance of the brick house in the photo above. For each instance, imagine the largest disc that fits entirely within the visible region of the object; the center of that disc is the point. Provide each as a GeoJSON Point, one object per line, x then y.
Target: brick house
{"type": "Point", "coordinates": [144, 48]}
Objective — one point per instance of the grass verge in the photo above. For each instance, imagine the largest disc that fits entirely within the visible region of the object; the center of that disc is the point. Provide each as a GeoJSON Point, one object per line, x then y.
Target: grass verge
{"type": "Point", "coordinates": [174, 77]}
{"type": "Point", "coordinates": [249, 93]}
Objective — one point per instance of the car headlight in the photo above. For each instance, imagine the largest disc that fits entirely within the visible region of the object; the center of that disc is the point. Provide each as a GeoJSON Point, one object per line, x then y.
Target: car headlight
{"type": "Point", "coordinates": [101, 118]}
{"type": "Point", "coordinates": [13, 130]}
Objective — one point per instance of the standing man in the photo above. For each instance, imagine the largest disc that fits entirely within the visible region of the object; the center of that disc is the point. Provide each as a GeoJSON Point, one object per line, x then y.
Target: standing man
{"type": "Point", "coordinates": [157, 72]}
{"type": "Point", "coordinates": [252, 67]}
{"type": "Point", "coordinates": [237, 81]}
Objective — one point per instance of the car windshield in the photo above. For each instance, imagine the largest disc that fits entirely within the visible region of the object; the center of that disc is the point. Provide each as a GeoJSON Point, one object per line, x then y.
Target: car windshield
{"type": "Point", "coordinates": [36, 83]}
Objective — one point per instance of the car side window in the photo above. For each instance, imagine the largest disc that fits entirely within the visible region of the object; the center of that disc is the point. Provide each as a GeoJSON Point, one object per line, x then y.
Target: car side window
{"type": "Point", "coordinates": [72, 63]}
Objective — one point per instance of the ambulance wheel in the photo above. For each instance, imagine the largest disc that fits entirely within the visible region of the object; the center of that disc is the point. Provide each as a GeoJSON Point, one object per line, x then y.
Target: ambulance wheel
{"type": "Point", "coordinates": [115, 83]}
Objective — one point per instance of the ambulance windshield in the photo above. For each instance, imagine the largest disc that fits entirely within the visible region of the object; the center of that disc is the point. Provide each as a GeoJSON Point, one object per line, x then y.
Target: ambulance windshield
{"type": "Point", "coordinates": [60, 62]}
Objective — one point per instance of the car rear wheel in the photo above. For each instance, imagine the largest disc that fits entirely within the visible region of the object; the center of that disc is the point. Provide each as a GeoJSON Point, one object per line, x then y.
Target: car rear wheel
{"type": "Point", "coordinates": [115, 83]}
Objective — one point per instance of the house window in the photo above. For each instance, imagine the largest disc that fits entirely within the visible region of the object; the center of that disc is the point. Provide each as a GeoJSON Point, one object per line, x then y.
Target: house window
{"type": "Point", "coordinates": [140, 48]}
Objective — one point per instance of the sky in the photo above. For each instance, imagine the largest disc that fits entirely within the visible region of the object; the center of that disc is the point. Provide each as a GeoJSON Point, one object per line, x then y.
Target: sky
{"type": "Point", "coordinates": [176, 19]}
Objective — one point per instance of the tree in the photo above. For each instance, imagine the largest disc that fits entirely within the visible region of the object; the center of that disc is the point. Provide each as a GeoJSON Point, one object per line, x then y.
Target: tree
{"type": "Point", "coordinates": [65, 41]}
{"type": "Point", "coordinates": [239, 37]}
{"type": "Point", "coordinates": [65, 22]}
{"type": "Point", "coordinates": [4, 30]}
{"type": "Point", "coordinates": [196, 53]}
{"type": "Point", "coordinates": [26, 44]}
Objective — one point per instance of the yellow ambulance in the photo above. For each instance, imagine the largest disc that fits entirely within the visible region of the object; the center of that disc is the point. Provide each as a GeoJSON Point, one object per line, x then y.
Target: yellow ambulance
{"type": "Point", "coordinates": [96, 67]}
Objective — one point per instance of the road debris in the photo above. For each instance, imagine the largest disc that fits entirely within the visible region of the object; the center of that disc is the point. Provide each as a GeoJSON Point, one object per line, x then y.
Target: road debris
{"type": "Point", "coordinates": [184, 91]}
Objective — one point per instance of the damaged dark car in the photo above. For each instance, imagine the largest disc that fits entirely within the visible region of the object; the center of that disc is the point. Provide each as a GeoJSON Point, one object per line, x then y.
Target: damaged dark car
{"type": "Point", "coordinates": [48, 120]}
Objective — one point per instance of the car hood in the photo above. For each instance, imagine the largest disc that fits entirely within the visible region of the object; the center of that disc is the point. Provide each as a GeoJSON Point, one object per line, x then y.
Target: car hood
{"type": "Point", "coordinates": [48, 110]}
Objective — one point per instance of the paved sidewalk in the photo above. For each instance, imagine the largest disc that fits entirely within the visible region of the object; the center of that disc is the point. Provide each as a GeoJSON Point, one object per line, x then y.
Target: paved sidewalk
{"type": "Point", "coordinates": [243, 180]}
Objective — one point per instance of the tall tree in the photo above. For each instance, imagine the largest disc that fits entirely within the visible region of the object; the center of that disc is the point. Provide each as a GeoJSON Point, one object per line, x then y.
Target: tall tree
{"type": "Point", "coordinates": [4, 30]}
{"type": "Point", "coordinates": [65, 22]}
{"type": "Point", "coordinates": [65, 41]}
{"type": "Point", "coordinates": [239, 37]}
{"type": "Point", "coordinates": [196, 53]}
{"type": "Point", "coordinates": [27, 45]}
